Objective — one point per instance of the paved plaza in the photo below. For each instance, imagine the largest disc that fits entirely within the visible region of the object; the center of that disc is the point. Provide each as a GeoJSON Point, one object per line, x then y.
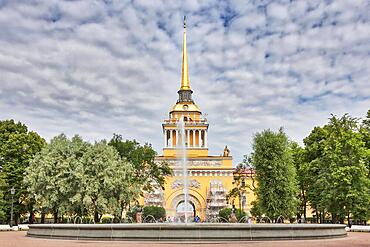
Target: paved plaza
{"type": "Point", "coordinates": [19, 239]}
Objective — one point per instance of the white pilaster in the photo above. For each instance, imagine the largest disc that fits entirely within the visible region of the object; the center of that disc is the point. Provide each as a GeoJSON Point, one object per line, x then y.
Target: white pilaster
{"type": "Point", "coordinates": [165, 138]}
{"type": "Point", "coordinates": [171, 138]}
{"type": "Point", "coordinates": [205, 139]}
{"type": "Point", "coordinates": [199, 138]}
{"type": "Point", "coordinates": [193, 137]}
{"type": "Point", "coordinates": [188, 137]}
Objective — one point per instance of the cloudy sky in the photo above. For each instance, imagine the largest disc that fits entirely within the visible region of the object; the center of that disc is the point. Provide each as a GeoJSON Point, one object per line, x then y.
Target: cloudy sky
{"type": "Point", "coordinates": [100, 67]}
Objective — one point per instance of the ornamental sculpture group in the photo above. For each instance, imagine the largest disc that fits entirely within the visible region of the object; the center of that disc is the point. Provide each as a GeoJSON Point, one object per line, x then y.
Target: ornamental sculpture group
{"type": "Point", "coordinates": [180, 183]}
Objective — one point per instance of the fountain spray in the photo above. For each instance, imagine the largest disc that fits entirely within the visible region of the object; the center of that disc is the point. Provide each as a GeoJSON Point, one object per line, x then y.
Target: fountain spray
{"type": "Point", "coordinates": [184, 164]}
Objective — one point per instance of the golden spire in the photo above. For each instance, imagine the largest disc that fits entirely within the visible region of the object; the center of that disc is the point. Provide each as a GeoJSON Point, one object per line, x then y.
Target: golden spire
{"type": "Point", "coordinates": [185, 83]}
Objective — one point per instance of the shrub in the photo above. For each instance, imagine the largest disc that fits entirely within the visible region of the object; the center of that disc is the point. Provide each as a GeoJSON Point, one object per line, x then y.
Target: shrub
{"type": "Point", "coordinates": [132, 213]}
{"type": "Point", "coordinates": [156, 212]}
{"type": "Point", "coordinates": [106, 220]}
{"type": "Point", "coordinates": [226, 212]}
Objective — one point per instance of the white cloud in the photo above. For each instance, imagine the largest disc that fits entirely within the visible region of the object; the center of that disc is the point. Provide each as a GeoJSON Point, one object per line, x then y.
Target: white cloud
{"type": "Point", "coordinates": [97, 68]}
{"type": "Point", "coordinates": [278, 11]}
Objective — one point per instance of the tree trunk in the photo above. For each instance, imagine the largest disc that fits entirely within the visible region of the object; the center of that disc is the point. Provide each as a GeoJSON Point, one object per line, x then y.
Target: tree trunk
{"type": "Point", "coordinates": [333, 218]}
{"type": "Point", "coordinates": [322, 217]}
{"type": "Point", "coordinates": [348, 219]}
{"type": "Point", "coordinates": [96, 216]}
{"type": "Point", "coordinates": [30, 218]}
{"type": "Point", "coordinates": [121, 211]}
{"type": "Point", "coordinates": [317, 215]}
{"type": "Point", "coordinates": [42, 216]}
{"type": "Point", "coordinates": [304, 207]}
{"type": "Point", "coordinates": [55, 215]}
{"type": "Point", "coordinates": [16, 219]}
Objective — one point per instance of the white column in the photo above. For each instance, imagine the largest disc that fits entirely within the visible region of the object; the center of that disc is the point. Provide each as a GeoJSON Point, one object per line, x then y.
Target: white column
{"type": "Point", "coordinates": [199, 138]}
{"type": "Point", "coordinates": [171, 137]}
{"type": "Point", "coordinates": [177, 137]}
{"type": "Point", "coordinates": [188, 137]}
{"type": "Point", "coordinates": [165, 138]}
{"type": "Point", "coordinates": [205, 139]}
{"type": "Point", "coordinates": [193, 137]}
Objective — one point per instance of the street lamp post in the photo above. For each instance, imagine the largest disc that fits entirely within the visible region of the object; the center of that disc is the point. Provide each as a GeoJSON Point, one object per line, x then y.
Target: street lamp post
{"type": "Point", "coordinates": [12, 192]}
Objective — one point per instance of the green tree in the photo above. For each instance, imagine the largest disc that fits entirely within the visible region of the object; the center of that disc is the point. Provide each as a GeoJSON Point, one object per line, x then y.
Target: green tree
{"type": "Point", "coordinates": [147, 173]}
{"type": "Point", "coordinates": [313, 171]}
{"type": "Point", "coordinates": [243, 172]}
{"type": "Point", "coordinates": [275, 174]}
{"type": "Point", "coordinates": [348, 190]}
{"type": "Point", "coordinates": [365, 132]}
{"type": "Point", "coordinates": [52, 177]}
{"type": "Point", "coordinates": [18, 145]}
{"type": "Point", "coordinates": [73, 177]}
{"type": "Point", "coordinates": [337, 176]}
{"type": "Point", "coordinates": [2, 201]}
{"type": "Point", "coordinates": [298, 156]}
{"type": "Point", "coordinates": [105, 175]}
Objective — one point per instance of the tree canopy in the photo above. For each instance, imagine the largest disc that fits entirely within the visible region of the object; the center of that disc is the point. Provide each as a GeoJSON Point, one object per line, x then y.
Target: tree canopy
{"type": "Point", "coordinates": [147, 173]}
{"type": "Point", "coordinates": [18, 146]}
{"type": "Point", "coordinates": [73, 177]}
{"type": "Point", "coordinates": [335, 170]}
{"type": "Point", "coordinates": [275, 174]}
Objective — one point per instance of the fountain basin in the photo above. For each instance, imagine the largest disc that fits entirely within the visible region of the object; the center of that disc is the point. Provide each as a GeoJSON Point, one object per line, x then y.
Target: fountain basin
{"type": "Point", "coordinates": [187, 232]}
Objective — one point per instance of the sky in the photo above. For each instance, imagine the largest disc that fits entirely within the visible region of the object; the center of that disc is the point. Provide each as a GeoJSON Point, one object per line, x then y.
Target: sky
{"type": "Point", "coordinates": [95, 68]}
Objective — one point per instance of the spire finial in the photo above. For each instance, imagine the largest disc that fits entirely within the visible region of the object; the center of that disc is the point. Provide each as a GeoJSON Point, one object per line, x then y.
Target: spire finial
{"type": "Point", "coordinates": [185, 84]}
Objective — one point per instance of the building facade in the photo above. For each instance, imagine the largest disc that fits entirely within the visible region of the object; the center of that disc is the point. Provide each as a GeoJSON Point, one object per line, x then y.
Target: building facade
{"type": "Point", "coordinates": [209, 177]}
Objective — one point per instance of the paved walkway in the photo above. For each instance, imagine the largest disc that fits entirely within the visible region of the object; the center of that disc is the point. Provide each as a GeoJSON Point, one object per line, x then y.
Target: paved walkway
{"type": "Point", "coordinates": [15, 239]}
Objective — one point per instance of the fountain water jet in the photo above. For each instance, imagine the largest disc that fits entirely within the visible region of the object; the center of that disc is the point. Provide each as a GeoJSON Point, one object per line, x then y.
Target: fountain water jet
{"type": "Point", "coordinates": [183, 161]}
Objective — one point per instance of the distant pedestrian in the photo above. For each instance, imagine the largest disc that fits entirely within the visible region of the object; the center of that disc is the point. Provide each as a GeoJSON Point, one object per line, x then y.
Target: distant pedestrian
{"type": "Point", "coordinates": [232, 218]}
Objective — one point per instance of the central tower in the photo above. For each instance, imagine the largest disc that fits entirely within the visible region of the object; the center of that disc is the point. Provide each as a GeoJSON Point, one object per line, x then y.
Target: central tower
{"type": "Point", "coordinates": [185, 109]}
{"type": "Point", "coordinates": [209, 177]}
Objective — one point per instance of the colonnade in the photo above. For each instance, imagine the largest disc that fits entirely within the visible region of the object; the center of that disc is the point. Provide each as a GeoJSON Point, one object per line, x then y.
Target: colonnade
{"type": "Point", "coordinates": [196, 138]}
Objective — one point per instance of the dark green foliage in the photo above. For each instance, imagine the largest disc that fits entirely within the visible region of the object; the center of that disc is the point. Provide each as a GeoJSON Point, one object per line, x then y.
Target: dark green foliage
{"type": "Point", "coordinates": [365, 133]}
{"type": "Point", "coordinates": [147, 173]}
{"type": "Point", "coordinates": [298, 156]}
{"type": "Point", "coordinates": [256, 209]}
{"type": "Point", "coordinates": [336, 171]}
{"type": "Point", "coordinates": [156, 212]}
{"type": "Point", "coordinates": [225, 213]}
{"type": "Point", "coordinates": [2, 201]}
{"type": "Point", "coordinates": [17, 148]}
{"type": "Point", "coordinates": [275, 174]}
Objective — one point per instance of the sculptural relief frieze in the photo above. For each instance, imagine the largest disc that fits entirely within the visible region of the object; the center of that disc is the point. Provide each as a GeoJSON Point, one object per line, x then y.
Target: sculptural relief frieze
{"type": "Point", "coordinates": [195, 163]}
{"type": "Point", "coordinates": [180, 183]}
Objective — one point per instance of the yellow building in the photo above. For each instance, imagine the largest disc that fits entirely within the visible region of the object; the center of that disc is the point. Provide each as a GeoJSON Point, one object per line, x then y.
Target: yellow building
{"type": "Point", "coordinates": [210, 177]}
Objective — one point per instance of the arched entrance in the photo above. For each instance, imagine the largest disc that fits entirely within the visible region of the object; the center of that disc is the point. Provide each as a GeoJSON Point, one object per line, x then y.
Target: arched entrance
{"type": "Point", "coordinates": [181, 208]}
{"type": "Point", "coordinates": [193, 208]}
